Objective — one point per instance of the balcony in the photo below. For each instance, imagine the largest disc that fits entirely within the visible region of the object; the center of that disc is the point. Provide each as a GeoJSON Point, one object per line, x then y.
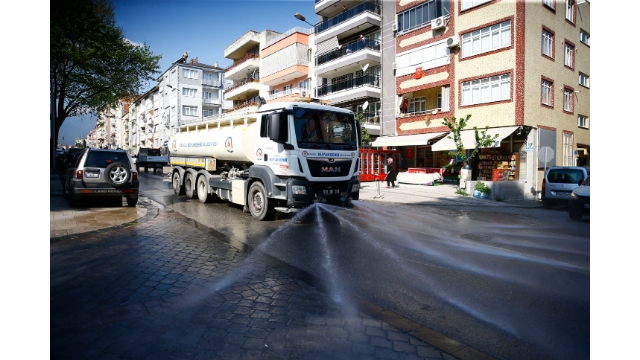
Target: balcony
{"type": "Point", "coordinates": [241, 46]}
{"type": "Point", "coordinates": [214, 83]}
{"type": "Point", "coordinates": [347, 57]}
{"type": "Point", "coordinates": [239, 69]}
{"type": "Point", "coordinates": [242, 89]}
{"type": "Point", "coordinates": [214, 102]}
{"type": "Point", "coordinates": [355, 20]}
{"type": "Point", "coordinates": [326, 8]}
{"type": "Point", "coordinates": [292, 70]}
{"type": "Point", "coordinates": [289, 94]}
{"type": "Point", "coordinates": [366, 86]}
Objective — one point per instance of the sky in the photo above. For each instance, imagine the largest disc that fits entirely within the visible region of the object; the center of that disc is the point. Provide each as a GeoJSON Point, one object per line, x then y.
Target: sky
{"type": "Point", "coordinates": [201, 27]}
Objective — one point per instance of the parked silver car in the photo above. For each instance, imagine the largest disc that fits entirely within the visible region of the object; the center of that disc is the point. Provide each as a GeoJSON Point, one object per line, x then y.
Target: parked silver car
{"type": "Point", "coordinates": [559, 182]}
{"type": "Point", "coordinates": [101, 173]}
{"type": "Point", "coordinates": [580, 200]}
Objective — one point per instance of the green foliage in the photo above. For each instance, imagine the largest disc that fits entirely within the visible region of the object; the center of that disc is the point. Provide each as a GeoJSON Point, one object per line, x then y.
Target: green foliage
{"type": "Point", "coordinates": [92, 64]}
{"type": "Point", "coordinates": [364, 133]}
{"type": "Point", "coordinates": [483, 188]}
{"type": "Point", "coordinates": [456, 126]}
{"type": "Point", "coordinates": [461, 192]}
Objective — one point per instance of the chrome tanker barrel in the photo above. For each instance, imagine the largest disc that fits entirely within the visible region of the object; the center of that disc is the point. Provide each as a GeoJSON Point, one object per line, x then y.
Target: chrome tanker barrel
{"type": "Point", "coordinates": [231, 143]}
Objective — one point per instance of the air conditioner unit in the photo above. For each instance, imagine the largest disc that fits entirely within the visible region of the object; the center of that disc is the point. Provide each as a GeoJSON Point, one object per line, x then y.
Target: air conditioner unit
{"type": "Point", "coordinates": [453, 41]}
{"type": "Point", "coordinates": [438, 23]}
{"type": "Point", "coordinates": [394, 26]}
{"type": "Point", "coordinates": [304, 93]}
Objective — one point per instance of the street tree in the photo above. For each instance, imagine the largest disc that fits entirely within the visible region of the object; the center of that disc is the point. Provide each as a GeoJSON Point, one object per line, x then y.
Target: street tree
{"type": "Point", "coordinates": [364, 133]}
{"type": "Point", "coordinates": [481, 138]}
{"type": "Point", "coordinates": [92, 64]}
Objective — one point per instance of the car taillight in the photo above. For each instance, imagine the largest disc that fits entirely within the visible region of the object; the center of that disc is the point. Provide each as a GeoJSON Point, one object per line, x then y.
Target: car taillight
{"type": "Point", "coordinates": [544, 181]}
{"type": "Point", "coordinates": [79, 174]}
{"type": "Point", "coordinates": [134, 175]}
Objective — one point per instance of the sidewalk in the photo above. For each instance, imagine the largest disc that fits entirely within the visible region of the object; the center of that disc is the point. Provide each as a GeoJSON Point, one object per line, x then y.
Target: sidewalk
{"type": "Point", "coordinates": [64, 220]}
{"type": "Point", "coordinates": [441, 195]}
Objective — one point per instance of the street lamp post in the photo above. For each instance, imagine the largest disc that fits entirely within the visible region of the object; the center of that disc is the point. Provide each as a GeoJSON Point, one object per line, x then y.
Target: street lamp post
{"type": "Point", "coordinates": [315, 67]}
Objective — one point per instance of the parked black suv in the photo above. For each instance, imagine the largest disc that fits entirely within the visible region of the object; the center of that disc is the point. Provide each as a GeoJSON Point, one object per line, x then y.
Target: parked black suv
{"type": "Point", "coordinates": [101, 173]}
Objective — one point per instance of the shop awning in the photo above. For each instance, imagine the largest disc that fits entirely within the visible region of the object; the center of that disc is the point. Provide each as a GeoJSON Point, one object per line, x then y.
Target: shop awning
{"type": "Point", "coordinates": [406, 140]}
{"type": "Point", "coordinates": [468, 138]}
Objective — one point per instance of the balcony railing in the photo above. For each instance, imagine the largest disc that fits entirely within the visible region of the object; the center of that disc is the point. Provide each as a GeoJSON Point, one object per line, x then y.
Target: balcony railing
{"type": "Point", "coordinates": [372, 6]}
{"type": "Point", "coordinates": [215, 83]}
{"type": "Point", "coordinates": [287, 93]}
{"type": "Point", "coordinates": [349, 49]}
{"type": "Point", "coordinates": [211, 101]}
{"type": "Point", "coordinates": [242, 59]}
{"type": "Point", "coordinates": [243, 105]}
{"type": "Point", "coordinates": [243, 82]}
{"type": "Point", "coordinates": [420, 112]}
{"type": "Point", "coordinates": [365, 80]}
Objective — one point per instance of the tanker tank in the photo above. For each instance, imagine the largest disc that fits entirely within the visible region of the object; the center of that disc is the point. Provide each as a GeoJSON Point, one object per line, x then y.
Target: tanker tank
{"type": "Point", "coordinates": [228, 143]}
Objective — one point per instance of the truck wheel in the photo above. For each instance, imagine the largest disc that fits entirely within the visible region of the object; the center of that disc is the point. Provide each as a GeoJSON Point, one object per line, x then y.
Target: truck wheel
{"type": "Point", "coordinates": [177, 188]}
{"type": "Point", "coordinates": [190, 186]}
{"type": "Point", "coordinates": [132, 201]}
{"type": "Point", "coordinates": [203, 190]}
{"type": "Point", "coordinates": [260, 206]}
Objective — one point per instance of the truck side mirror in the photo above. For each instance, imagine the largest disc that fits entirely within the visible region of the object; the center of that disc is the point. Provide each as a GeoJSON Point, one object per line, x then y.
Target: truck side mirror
{"type": "Point", "coordinates": [278, 129]}
{"type": "Point", "coordinates": [359, 133]}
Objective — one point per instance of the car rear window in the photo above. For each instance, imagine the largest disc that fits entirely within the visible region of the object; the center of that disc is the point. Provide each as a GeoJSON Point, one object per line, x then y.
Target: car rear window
{"type": "Point", "coordinates": [565, 176]}
{"type": "Point", "coordinates": [102, 159]}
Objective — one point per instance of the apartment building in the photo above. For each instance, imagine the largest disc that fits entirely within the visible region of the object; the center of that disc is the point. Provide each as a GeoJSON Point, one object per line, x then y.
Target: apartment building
{"type": "Point", "coordinates": [519, 67]}
{"type": "Point", "coordinates": [246, 89]}
{"type": "Point", "coordinates": [287, 65]}
{"type": "Point", "coordinates": [349, 57]}
{"type": "Point", "coordinates": [188, 92]}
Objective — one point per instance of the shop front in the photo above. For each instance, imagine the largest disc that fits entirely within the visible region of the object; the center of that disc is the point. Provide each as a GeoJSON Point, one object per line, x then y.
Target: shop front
{"type": "Point", "coordinates": [507, 167]}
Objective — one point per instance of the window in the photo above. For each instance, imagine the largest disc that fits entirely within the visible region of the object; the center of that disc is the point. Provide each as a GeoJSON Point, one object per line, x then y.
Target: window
{"type": "Point", "coordinates": [584, 37]}
{"type": "Point", "coordinates": [582, 121]}
{"type": "Point", "coordinates": [173, 111]}
{"type": "Point", "coordinates": [273, 92]}
{"type": "Point", "coordinates": [568, 100]}
{"type": "Point", "coordinates": [209, 95]}
{"type": "Point", "coordinates": [207, 112]}
{"type": "Point", "coordinates": [567, 149]}
{"type": "Point", "coordinates": [190, 74]}
{"type": "Point", "coordinates": [547, 43]}
{"type": "Point", "coordinates": [583, 80]}
{"type": "Point", "coordinates": [287, 88]}
{"type": "Point", "coordinates": [486, 39]}
{"type": "Point", "coordinates": [568, 54]}
{"type": "Point", "coordinates": [570, 8]}
{"type": "Point", "coordinates": [173, 74]}
{"type": "Point", "coordinates": [173, 92]}
{"type": "Point", "coordinates": [189, 92]}
{"type": "Point", "coordinates": [549, 3]}
{"type": "Point", "coordinates": [439, 101]}
{"type": "Point", "coordinates": [418, 105]}
{"type": "Point", "coordinates": [428, 57]}
{"type": "Point", "coordinates": [422, 14]}
{"type": "Point", "coordinates": [490, 89]}
{"type": "Point", "coordinates": [547, 91]}
{"type": "Point", "coordinates": [190, 110]}
{"type": "Point", "coordinates": [304, 85]}
{"type": "Point", "coordinates": [466, 4]}
{"type": "Point", "coordinates": [207, 76]}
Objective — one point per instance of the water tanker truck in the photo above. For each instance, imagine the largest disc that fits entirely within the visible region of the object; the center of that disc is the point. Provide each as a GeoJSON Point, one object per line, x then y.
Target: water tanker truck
{"type": "Point", "coordinates": [283, 157]}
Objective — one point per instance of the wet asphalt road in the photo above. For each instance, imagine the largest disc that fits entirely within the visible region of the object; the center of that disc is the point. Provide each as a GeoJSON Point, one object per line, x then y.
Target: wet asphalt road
{"type": "Point", "coordinates": [513, 284]}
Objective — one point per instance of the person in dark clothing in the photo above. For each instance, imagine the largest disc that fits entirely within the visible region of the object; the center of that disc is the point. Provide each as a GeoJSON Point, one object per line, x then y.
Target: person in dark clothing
{"type": "Point", "coordinates": [391, 173]}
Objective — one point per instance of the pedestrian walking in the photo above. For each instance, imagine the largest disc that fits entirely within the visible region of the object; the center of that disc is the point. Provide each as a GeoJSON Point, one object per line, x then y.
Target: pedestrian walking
{"type": "Point", "coordinates": [391, 173]}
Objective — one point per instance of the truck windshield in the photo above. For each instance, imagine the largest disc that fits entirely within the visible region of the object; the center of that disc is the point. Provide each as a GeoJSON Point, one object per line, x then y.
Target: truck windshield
{"type": "Point", "coordinates": [318, 129]}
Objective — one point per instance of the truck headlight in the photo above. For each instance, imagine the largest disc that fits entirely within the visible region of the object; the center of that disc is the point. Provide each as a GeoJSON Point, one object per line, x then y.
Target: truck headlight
{"type": "Point", "coordinates": [299, 189]}
{"type": "Point", "coordinates": [355, 187]}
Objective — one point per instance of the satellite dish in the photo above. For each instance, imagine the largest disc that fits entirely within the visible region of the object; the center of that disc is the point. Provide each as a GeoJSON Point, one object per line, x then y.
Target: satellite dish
{"type": "Point", "coordinates": [365, 67]}
{"type": "Point", "coordinates": [365, 105]}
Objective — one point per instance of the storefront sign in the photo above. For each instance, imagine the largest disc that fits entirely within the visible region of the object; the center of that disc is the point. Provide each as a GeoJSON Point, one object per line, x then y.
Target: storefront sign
{"type": "Point", "coordinates": [419, 73]}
